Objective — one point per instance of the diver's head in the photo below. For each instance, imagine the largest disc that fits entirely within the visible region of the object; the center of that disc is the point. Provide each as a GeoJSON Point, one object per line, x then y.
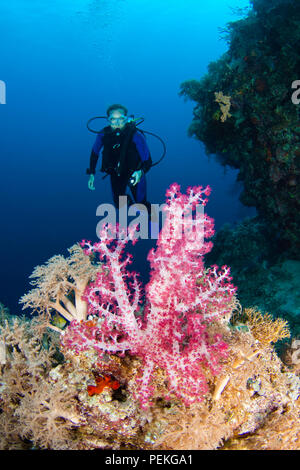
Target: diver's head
{"type": "Point", "coordinates": [117, 116]}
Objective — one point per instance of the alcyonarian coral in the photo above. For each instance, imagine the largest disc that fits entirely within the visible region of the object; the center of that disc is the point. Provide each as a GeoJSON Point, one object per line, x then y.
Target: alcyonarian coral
{"type": "Point", "coordinates": [280, 432]}
{"type": "Point", "coordinates": [33, 408]}
{"type": "Point", "coordinates": [260, 394]}
{"type": "Point", "coordinates": [60, 284]}
{"type": "Point", "coordinates": [172, 374]}
{"type": "Point", "coordinates": [212, 384]}
{"type": "Point", "coordinates": [182, 299]}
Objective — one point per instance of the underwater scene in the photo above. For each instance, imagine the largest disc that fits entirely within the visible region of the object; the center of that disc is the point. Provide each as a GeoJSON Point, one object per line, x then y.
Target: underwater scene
{"type": "Point", "coordinates": [150, 231]}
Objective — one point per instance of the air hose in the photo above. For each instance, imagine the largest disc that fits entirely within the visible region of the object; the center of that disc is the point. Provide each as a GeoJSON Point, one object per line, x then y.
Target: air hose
{"type": "Point", "coordinates": [137, 122]}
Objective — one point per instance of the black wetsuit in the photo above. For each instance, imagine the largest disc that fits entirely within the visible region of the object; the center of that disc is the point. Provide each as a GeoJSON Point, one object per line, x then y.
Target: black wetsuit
{"type": "Point", "coordinates": [121, 167]}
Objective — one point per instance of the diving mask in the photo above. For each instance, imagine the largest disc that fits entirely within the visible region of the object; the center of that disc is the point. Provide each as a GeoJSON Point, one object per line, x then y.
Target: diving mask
{"type": "Point", "coordinates": [117, 120]}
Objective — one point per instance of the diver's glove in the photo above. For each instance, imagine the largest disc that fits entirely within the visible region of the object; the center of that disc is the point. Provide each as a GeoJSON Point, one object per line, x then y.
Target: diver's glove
{"type": "Point", "coordinates": [91, 182]}
{"type": "Point", "coordinates": [136, 177]}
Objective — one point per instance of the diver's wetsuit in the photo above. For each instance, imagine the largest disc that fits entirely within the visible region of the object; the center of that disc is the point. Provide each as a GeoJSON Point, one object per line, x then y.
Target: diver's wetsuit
{"type": "Point", "coordinates": [137, 157]}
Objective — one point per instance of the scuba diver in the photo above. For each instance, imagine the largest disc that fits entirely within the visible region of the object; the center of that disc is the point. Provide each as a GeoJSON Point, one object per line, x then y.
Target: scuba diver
{"type": "Point", "coordinates": [125, 157]}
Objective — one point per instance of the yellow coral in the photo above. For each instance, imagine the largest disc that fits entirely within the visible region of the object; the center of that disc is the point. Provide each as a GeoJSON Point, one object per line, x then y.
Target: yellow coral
{"type": "Point", "coordinates": [225, 104]}
{"type": "Point", "coordinates": [264, 328]}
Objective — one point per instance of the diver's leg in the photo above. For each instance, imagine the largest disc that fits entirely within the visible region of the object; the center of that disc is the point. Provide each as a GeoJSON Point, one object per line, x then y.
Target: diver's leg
{"type": "Point", "coordinates": [118, 187]}
{"type": "Point", "coordinates": [139, 192]}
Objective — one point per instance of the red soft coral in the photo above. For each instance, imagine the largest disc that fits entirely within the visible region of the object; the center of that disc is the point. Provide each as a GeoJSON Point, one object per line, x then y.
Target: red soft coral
{"type": "Point", "coordinates": [182, 297]}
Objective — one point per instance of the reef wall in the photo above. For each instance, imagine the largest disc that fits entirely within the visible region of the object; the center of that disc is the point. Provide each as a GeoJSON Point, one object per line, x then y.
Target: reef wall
{"type": "Point", "coordinates": [244, 115]}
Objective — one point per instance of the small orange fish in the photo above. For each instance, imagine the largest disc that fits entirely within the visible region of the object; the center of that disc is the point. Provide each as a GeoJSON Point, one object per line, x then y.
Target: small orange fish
{"type": "Point", "coordinates": [102, 382]}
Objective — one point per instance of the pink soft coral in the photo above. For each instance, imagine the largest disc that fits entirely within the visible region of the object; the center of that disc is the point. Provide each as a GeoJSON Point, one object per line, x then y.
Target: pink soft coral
{"type": "Point", "coordinates": [182, 297]}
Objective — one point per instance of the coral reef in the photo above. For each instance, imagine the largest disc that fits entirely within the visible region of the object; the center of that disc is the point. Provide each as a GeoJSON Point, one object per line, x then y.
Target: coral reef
{"type": "Point", "coordinates": [263, 277]}
{"type": "Point", "coordinates": [291, 355]}
{"type": "Point", "coordinates": [176, 364]}
{"type": "Point", "coordinates": [261, 138]}
{"type": "Point", "coordinates": [33, 409]}
{"type": "Point", "coordinates": [48, 405]}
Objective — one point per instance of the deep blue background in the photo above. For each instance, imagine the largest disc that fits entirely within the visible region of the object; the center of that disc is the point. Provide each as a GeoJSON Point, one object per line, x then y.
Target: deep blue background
{"type": "Point", "coordinates": [64, 61]}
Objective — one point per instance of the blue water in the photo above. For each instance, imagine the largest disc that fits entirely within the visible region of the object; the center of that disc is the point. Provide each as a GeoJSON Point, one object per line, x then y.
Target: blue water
{"type": "Point", "coordinates": [64, 61]}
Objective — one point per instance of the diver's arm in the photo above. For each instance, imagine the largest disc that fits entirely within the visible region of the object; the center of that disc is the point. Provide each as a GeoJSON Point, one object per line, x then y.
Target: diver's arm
{"type": "Point", "coordinates": [93, 160]}
{"type": "Point", "coordinates": [92, 169]}
{"type": "Point", "coordinates": [143, 150]}
{"type": "Point", "coordinates": [95, 154]}
{"type": "Point", "coordinates": [93, 163]}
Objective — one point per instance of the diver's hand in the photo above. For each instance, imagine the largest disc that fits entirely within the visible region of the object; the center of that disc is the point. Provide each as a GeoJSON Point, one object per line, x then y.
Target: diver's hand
{"type": "Point", "coordinates": [91, 182]}
{"type": "Point", "coordinates": [136, 176]}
